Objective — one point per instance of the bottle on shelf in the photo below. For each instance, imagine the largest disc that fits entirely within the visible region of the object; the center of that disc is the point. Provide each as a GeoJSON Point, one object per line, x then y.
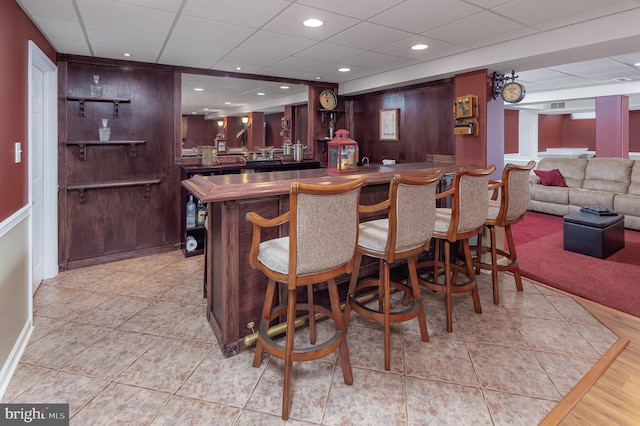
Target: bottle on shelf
{"type": "Point", "coordinates": [191, 213]}
{"type": "Point", "coordinates": [201, 214]}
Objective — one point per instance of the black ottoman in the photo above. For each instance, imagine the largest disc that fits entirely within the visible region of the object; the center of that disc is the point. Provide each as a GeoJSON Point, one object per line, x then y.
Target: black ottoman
{"type": "Point", "coordinates": [593, 235]}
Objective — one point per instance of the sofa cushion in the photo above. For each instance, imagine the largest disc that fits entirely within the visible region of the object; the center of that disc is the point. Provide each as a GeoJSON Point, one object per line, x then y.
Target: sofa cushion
{"type": "Point", "coordinates": [634, 186]}
{"type": "Point", "coordinates": [608, 174]}
{"type": "Point", "coordinates": [589, 197]}
{"type": "Point", "coordinates": [549, 194]}
{"type": "Point", "coordinates": [628, 205]}
{"type": "Point", "coordinates": [572, 169]}
{"type": "Point", "coordinates": [550, 177]}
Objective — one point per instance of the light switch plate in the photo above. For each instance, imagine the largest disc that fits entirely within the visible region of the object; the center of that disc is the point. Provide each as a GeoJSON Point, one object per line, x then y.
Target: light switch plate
{"type": "Point", "coordinates": [18, 158]}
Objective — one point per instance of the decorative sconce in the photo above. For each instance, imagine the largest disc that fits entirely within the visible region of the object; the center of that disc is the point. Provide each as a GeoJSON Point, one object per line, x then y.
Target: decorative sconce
{"type": "Point", "coordinates": [220, 123]}
{"type": "Point", "coordinates": [245, 120]}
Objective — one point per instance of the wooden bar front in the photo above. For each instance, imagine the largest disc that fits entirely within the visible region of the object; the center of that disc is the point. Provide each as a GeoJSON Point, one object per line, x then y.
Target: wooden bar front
{"type": "Point", "coordinates": [235, 292]}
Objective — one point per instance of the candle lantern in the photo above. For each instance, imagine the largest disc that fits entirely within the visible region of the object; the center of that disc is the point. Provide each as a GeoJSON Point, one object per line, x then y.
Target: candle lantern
{"type": "Point", "coordinates": [343, 153]}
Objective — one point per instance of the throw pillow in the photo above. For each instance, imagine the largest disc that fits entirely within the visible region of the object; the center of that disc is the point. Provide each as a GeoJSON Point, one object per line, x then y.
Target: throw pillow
{"type": "Point", "coordinates": [551, 177]}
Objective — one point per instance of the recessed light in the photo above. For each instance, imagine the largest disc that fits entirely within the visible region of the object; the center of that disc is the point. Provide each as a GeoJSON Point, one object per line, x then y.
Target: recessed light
{"type": "Point", "coordinates": [318, 78]}
{"type": "Point", "coordinates": [238, 68]}
{"type": "Point", "coordinates": [344, 69]}
{"type": "Point", "coordinates": [206, 109]}
{"type": "Point", "coordinates": [313, 23]}
{"type": "Point", "coordinates": [227, 103]}
{"type": "Point", "coordinates": [284, 87]}
{"type": "Point", "coordinates": [194, 112]}
{"type": "Point", "coordinates": [126, 54]}
{"type": "Point", "coordinates": [260, 94]}
{"type": "Point", "coordinates": [419, 46]}
{"type": "Point", "coordinates": [198, 89]}
{"type": "Point", "coordinates": [637, 65]}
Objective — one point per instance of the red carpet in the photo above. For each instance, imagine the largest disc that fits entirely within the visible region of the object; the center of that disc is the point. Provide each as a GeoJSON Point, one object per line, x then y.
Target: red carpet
{"type": "Point", "coordinates": [613, 282]}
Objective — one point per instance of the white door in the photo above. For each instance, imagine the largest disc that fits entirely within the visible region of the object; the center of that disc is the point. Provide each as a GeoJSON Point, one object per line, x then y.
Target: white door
{"type": "Point", "coordinates": [36, 151]}
{"type": "Point", "coordinates": [43, 165]}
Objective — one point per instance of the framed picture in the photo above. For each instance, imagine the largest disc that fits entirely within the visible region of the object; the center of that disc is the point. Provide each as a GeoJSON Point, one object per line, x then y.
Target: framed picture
{"type": "Point", "coordinates": [222, 146]}
{"type": "Point", "coordinates": [389, 124]}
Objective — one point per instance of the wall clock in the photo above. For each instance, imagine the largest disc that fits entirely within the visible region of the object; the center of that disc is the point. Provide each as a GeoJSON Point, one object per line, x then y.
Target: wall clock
{"type": "Point", "coordinates": [512, 92]}
{"type": "Point", "coordinates": [328, 99]}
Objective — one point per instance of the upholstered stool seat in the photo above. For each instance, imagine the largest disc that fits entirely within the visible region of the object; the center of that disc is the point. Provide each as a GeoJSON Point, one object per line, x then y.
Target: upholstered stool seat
{"type": "Point", "coordinates": [403, 234]}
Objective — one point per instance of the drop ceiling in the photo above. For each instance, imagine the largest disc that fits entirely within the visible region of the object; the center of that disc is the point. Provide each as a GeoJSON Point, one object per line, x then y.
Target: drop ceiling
{"type": "Point", "coordinates": [561, 50]}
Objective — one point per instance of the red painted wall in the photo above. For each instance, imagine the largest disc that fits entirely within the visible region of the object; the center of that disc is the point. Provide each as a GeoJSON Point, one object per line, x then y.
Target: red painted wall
{"type": "Point", "coordinates": [634, 131]}
{"type": "Point", "coordinates": [511, 131]}
{"type": "Point", "coordinates": [201, 131]}
{"type": "Point", "coordinates": [16, 29]}
{"type": "Point", "coordinates": [579, 133]}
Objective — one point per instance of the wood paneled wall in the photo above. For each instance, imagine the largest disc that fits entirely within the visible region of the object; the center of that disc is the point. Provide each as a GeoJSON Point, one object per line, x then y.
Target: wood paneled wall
{"type": "Point", "coordinates": [426, 122]}
{"type": "Point", "coordinates": [117, 222]}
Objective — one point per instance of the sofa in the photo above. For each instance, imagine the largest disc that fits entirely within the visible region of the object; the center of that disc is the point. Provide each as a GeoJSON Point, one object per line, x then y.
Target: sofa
{"type": "Point", "coordinates": [613, 183]}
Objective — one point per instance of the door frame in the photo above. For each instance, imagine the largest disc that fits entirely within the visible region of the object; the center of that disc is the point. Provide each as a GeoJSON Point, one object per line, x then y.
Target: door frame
{"type": "Point", "coordinates": [38, 60]}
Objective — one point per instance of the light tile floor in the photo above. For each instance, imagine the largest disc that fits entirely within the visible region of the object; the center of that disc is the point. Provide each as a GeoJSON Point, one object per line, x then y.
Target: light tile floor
{"type": "Point", "coordinates": [128, 343]}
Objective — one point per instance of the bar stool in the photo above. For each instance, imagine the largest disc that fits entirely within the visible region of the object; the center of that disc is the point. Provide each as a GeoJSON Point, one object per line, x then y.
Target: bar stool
{"type": "Point", "coordinates": [323, 232]}
{"type": "Point", "coordinates": [404, 234]}
{"type": "Point", "coordinates": [465, 219]}
{"type": "Point", "coordinates": [513, 191]}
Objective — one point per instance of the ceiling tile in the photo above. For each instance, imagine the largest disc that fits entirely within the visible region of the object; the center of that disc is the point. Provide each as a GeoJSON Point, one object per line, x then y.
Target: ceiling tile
{"type": "Point", "coordinates": [359, 9]}
{"type": "Point", "coordinates": [247, 13]}
{"type": "Point", "coordinates": [290, 22]}
{"type": "Point", "coordinates": [111, 43]}
{"type": "Point", "coordinates": [435, 50]}
{"type": "Point", "coordinates": [251, 61]}
{"type": "Point", "coordinates": [541, 11]}
{"type": "Point", "coordinates": [191, 53]}
{"type": "Point", "coordinates": [368, 36]}
{"type": "Point", "coordinates": [166, 5]}
{"type": "Point", "coordinates": [378, 61]}
{"type": "Point", "coordinates": [268, 41]}
{"type": "Point", "coordinates": [206, 31]}
{"type": "Point", "coordinates": [61, 30]}
{"type": "Point", "coordinates": [329, 52]}
{"type": "Point", "coordinates": [485, 25]}
{"type": "Point", "coordinates": [119, 16]}
{"type": "Point", "coordinates": [418, 16]}
{"type": "Point", "coordinates": [52, 9]}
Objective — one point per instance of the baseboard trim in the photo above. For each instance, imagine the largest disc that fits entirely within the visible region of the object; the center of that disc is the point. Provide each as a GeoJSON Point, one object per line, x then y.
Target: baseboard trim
{"type": "Point", "coordinates": [11, 364]}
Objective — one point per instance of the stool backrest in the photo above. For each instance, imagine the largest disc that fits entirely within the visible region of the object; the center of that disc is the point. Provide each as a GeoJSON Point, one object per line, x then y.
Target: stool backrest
{"type": "Point", "coordinates": [470, 201]}
{"type": "Point", "coordinates": [514, 193]}
{"type": "Point", "coordinates": [412, 211]}
{"type": "Point", "coordinates": [323, 231]}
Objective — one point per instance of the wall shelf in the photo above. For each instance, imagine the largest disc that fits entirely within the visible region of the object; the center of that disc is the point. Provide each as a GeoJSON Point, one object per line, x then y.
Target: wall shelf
{"type": "Point", "coordinates": [83, 187]}
{"type": "Point", "coordinates": [115, 101]}
{"type": "Point", "coordinates": [83, 146]}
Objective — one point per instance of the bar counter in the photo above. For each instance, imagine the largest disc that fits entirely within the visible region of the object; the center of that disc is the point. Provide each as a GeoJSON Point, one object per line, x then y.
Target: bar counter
{"type": "Point", "coordinates": [234, 291]}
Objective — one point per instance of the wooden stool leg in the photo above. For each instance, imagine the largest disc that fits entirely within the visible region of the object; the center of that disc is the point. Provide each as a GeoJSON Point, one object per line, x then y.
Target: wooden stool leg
{"type": "Point", "coordinates": [266, 313]}
{"type": "Point", "coordinates": [513, 257]}
{"type": "Point", "coordinates": [415, 288]}
{"type": "Point", "coordinates": [288, 354]}
{"type": "Point", "coordinates": [343, 351]}
{"type": "Point", "coordinates": [352, 289]}
{"type": "Point", "coordinates": [447, 281]}
{"type": "Point", "coordinates": [494, 265]}
{"type": "Point", "coordinates": [384, 279]}
{"type": "Point", "coordinates": [472, 276]}
{"type": "Point", "coordinates": [312, 315]}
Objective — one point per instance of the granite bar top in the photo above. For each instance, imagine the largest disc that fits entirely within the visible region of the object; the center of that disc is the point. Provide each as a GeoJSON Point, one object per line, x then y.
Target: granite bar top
{"type": "Point", "coordinates": [210, 189]}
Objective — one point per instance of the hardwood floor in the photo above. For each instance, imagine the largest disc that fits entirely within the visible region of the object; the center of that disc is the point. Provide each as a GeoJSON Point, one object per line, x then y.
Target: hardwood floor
{"type": "Point", "coordinates": [614, 398]}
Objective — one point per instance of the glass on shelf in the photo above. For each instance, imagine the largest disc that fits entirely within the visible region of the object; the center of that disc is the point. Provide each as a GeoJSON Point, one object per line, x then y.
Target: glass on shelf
{"type": "Point", "coordinates": [96, 87]}
{"type": "Point", "coordinates": [104, 132]}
